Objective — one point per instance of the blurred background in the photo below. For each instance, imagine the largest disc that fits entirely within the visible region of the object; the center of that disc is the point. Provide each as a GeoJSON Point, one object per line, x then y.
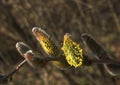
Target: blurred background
{"type": "Point", "coordinates": [99, 18]}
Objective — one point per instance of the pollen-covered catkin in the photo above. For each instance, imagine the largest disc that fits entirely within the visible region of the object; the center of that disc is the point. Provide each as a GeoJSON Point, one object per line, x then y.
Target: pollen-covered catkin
{"type": "Point", "coordinates": [48, 45]}
{"type": "Point", "coordinates": [72, 51]}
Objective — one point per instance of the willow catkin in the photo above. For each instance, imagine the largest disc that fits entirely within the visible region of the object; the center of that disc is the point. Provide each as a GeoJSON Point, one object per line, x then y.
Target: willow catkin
{"type": "Point", "coordinates": [29, 55]}
{"type": "Point", "coordinates": [48, 45]}
{"type": "Point", "coordinates": [72, 51]}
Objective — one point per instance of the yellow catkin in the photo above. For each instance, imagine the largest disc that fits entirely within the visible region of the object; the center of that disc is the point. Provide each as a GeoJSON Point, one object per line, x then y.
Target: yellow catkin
{"type": "Point", "coordinates": [45, 41]}
{"type": "Point", "coordinates": [72, 51]}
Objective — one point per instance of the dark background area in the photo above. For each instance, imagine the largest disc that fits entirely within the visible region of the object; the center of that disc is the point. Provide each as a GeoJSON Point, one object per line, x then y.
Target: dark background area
{"type": "Point", "coordinates": [99, 18]}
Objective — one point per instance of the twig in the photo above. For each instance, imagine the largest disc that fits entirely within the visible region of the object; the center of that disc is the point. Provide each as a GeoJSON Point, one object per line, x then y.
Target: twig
{"type": "Point", "coordinates": [106, 62]}
{"type": "Point", "coordinates": [7, 76]}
